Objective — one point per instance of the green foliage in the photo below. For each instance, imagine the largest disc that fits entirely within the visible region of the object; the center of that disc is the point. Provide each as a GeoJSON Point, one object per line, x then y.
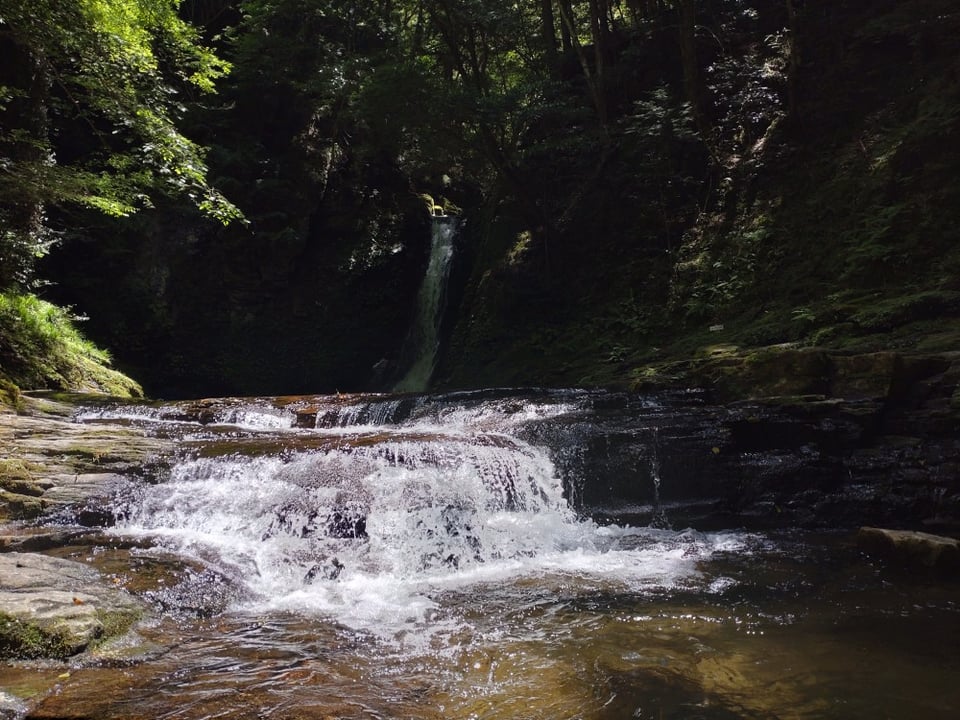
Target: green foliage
{"type": "Point", "coordinates": [601, 230]}
{"type": "Point", "coordinates": [40, 347]}
{"type": "Point", "coordinates": [882, 314]}
{"type": "Point", "coordinates": [89, 109]}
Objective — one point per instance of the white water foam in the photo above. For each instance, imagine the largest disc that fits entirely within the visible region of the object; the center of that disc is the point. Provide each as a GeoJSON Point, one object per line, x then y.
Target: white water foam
{"type": "Point", "coordinates": [373, 533]}
{"type": "Point", "coordinates": [243, 416]}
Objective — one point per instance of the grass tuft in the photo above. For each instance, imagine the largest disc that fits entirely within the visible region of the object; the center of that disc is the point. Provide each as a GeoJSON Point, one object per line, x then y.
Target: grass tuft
{"type": "Point", "coordinates": [41, 348]}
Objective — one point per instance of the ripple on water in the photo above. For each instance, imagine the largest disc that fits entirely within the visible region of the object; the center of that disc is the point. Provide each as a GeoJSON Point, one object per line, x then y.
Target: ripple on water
{"type": "Point", "coordinates": [474, 592]}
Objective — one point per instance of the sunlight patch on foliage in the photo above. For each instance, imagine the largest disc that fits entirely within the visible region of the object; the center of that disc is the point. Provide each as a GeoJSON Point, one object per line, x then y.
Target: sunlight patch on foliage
{"type": "Point", "coordinates": [41, 347]}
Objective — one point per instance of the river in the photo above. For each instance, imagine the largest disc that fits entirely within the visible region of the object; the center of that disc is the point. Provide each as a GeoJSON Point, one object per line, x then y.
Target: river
{"type": "Point", "coordinates": [490, 555]}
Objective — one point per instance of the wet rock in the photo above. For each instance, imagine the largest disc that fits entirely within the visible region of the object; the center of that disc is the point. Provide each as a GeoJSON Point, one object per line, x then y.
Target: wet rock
{"type": "Point", "coordinates": [11, 707]}
{"type": "Point", "coordinates": [36, 539]}
{"type": "Point", "coordinates": [912, 550]}
{"type": "Point", "coordinates": [198, 593]}
{"type": "Point", "coordinates": [56, 608]}
{"type": "Point", "coordinates": [306, 417]}
{"type": "Point", "coordinates": [329, 570]}
{"type": "Point", "coordinates": [78, 488]}
{"type": "Point", "coordinates": [770, 463]}
{"type": "Point", "coordinates": [347, 523]}
{"type": "Point", "coordinates": [48, 462]}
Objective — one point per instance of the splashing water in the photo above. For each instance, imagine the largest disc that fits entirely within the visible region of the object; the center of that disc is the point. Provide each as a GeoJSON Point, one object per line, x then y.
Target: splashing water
{"type": "Point", "coordinates": [430, 557]}
{"type": "Point", "coordinates": [373, 525]}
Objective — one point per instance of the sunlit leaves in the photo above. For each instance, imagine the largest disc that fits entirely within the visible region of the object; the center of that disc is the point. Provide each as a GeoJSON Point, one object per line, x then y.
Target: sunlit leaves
{"type": "Point", "coordinates": [116, 69]}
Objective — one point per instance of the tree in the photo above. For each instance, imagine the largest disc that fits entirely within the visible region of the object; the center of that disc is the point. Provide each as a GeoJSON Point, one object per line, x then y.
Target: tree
{"type": "Point", "coordinates": [692, 77]}
{"type": "Point", "coordinates": [91, 93]}
{"type": "Point", "coordinates": [593, 71]}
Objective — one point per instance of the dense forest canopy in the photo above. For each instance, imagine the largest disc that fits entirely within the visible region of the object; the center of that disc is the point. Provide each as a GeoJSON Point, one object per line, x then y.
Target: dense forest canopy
{"type": "Point", "coordinates": [90, 109]}
{"type": "Point", "coordinates": [234, 191]}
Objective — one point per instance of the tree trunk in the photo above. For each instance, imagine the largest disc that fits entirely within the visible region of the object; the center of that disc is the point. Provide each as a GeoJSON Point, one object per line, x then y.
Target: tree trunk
{"type": "Point", "coordinates": [594, 81]}
{"type": "Point", "coordinates": [566, 11]}
{"type": "Point", "coordinates": [23, 232]}
{"type": "Point", "coordinates": [793, 63]}
{"type": "Point", "coordinates": [549, 38]}
{"type": "Point", "coordinates": [692, 79]}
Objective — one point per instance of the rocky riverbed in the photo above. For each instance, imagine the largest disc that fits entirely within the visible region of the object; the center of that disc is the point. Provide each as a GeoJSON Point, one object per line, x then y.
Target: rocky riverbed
{"type": "Point", "coordinates": [77, 598]}
{"type": "Point", "coordinates": [56, 469]}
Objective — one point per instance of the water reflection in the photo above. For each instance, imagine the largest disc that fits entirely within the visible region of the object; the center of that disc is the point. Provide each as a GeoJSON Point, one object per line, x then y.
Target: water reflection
{"type": "Point", "coordinates": [475, 591]}
{"type": "Point", "coordinates": [795, 637]}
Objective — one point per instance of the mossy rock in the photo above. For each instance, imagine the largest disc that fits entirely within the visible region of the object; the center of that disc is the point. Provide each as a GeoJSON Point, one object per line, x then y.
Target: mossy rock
{"type": "Point", "coordinates": [57, 608]}
{"type": "Point", "coordinates": [14, 506]}
{"type": "Point", "coordinates": [769, 372]}
{"type": "Point", "coordinates": [95, 377]}
{"type": "Point", "coordinates": [791, 372]}
{"type": "Point", "coordinates": [912, 550]}
{"type": "Point", "coordinates": [868, 375]}
{"type": "Point", "coordinates": [16, 477]}
{"type": "Point", "coordinates": [10, 398]}
{"type": "Point", "coordinates": [21, 487]}
{"type": "Point", "coordinates": [24, 640]}
{"type": "Point", "coordinates": [658, 377]}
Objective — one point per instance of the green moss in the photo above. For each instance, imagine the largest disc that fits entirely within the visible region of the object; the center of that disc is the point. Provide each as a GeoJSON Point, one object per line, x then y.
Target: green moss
{"type": "Point", "coordinates": [16, 469]}
{"type": "Point", "coordinates": [10, 395]}
{"type": "Point", "coordinates": [15, 506]}
{"type": "Point", "coordinates": [92, 454]}
{"type": "Point", "coordinates": [885, 314]}
{"type": "Point", "coordinates": [115, 623]}
{"type": "Point", "coordinates": [21, 640]}
{"type": "Point", "coordinates": [24, 640]}
{"type": "Point", "coordinates": [19, 494]}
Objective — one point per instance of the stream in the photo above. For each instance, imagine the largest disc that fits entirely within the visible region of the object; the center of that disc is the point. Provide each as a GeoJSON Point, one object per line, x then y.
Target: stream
{"type": "Point", "coordinates": [488, 555]}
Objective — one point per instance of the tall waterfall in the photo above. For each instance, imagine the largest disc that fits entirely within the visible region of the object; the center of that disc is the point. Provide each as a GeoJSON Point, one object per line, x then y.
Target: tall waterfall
{"type": "Point", "coordinates": [423, 341]}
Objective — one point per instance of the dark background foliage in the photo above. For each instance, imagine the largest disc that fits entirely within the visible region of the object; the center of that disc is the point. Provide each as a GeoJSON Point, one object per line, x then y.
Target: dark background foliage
{"type": "Point", "coordinates": [640, 181]}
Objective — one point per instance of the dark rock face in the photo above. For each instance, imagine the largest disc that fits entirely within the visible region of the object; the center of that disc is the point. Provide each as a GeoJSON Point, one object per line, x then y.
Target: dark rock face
{"type": "Point", "coordinates": [879, 444]}
{"type": "Point", "coordinates": [329, 570]}
{"type": "Point", "coordinates": [347, 523]}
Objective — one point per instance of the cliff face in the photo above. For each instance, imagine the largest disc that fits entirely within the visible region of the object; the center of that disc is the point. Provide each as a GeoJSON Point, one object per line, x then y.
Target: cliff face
{"type": "Point", "coordinates": [826, 213]}
{"type": "Point", "coordinates": [309, 298]}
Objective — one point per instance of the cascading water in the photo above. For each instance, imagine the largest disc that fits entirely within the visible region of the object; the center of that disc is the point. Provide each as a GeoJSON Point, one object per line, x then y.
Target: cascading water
{"type": "Point", "coordinates": [374, 514]}
{"type": "Point", "coordinates": [434, 557]}
{"type": "Point", "coordinates": [423, 341]}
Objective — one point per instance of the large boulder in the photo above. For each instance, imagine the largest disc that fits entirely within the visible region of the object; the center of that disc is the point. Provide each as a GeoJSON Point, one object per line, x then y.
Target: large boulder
{"type": "Point", "coordinates": [56, 608]}
{"type": "Point", "coordinates": [912, 550]}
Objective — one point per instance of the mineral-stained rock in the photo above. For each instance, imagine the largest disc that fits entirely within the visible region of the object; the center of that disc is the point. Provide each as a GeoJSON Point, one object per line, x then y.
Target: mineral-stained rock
{"type": "Point", "coordinates": [51, 607]}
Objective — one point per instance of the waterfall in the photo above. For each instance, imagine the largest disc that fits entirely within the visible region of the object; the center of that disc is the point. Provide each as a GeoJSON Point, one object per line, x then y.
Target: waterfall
{"type": "Point", "coordinates": [382, 506]}
{"type": "Point", "coordinates": [423, 341]}
{"type": "Point", "coordinates": [659, 519]}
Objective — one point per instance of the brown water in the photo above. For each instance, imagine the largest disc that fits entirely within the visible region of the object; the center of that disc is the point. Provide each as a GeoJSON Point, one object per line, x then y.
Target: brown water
{"type": "Point", "coordinates": [802, 627]}
{"type": "Point", "coordinates": [473, 591]}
